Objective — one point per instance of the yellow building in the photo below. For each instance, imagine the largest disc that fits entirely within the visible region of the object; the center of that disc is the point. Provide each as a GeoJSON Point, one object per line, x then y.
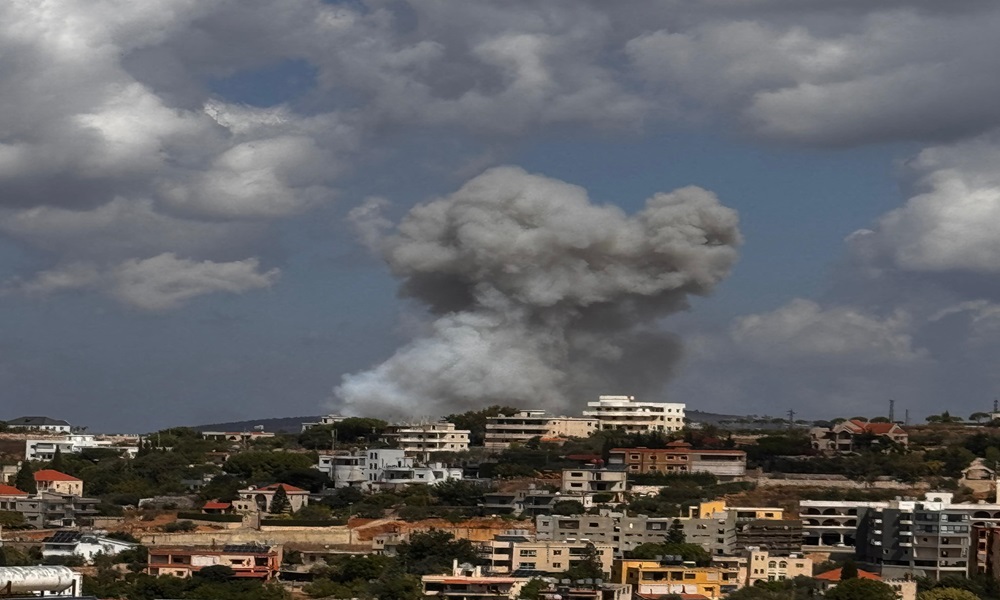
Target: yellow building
{"type": "Point", "coordinates": [659, 578]}
{"type": "Point", "coordinates": [714, 508]}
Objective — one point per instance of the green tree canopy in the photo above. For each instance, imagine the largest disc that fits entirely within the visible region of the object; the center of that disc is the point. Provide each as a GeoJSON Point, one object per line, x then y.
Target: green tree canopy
{"type": "Point", "coordinates": [947, 593]}
{"type": "Point", "coordinates": [279, 502]}
{"type": "Point", "coordinates": [433, 551]}
{"type": "Point", "coordinates": [25, 478]}
{"type": "Point", "coordinates": [861, 589]}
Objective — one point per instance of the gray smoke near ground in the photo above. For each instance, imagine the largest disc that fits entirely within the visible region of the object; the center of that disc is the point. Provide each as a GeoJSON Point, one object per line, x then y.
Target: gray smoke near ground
{"type": "Point", "coordinates": [540, 298]}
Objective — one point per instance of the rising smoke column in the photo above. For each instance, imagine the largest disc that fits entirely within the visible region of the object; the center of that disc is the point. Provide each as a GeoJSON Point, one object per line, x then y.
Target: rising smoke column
{"type": "Point", "coordinates": [540, 298]}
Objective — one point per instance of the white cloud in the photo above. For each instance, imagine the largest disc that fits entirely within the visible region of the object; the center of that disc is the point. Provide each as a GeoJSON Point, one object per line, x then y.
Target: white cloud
{"type": "Point", "coordinates": [155, 284]}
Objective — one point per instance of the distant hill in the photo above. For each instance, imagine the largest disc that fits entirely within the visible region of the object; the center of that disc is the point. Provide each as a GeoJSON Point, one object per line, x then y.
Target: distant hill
{"type": "Point", "coordinates": [275, 425]}
{"type": "Point", "coordinates": [708, 418]}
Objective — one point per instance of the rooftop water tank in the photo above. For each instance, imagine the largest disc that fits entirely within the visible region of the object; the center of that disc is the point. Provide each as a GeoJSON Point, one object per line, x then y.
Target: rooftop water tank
{"type": "Point", "coordinates": [36, 579]}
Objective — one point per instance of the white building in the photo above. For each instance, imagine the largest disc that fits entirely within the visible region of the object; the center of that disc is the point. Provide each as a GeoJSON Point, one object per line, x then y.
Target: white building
{"type": "Point", "coordinates": [382, 468]}
{"type": "Point", "coordinates": [84, 545]}
{"type": "Point", "coordinates": [327, 420]}
{"type": "Point", "coordinates": [45, 448]}
{"type": "Point", "coordinates": [587, 482]}
{"type": "Point", "coordinates": [40, 424]}
{"type": "Point", "coordinates": [502, 431]}
{"type": "Point", "coordinates": [624, 413]}
{"type": "Point", "coordinates": [426, 439]}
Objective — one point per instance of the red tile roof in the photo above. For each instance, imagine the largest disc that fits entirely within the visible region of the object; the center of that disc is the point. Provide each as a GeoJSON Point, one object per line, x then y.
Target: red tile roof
{"type": "Point", "coordinates": [287, 488]}
{"type": "Point", "coordinates": [9, 490]}
{"type": "Point", "coordinates": [834, 575]}
{"type": "Point", "coordinates": [53, 475]}
{"type": "Point", "coordinates": [216, 505]}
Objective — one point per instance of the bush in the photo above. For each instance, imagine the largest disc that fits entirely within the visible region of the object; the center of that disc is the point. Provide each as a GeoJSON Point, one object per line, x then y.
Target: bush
{"type": "Point", "coordinates": [177, 526]}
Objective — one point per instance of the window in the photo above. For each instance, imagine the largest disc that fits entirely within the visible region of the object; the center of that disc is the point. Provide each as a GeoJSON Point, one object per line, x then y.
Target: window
{"type": "Point", "coordinates": [556, 565]}
{"type": "Point", "coordinates": [528, 553]}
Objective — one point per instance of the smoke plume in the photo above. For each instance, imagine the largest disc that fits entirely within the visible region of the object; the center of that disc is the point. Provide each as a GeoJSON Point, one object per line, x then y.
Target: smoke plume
{"type": "Point", "coordinates": [539, 297]}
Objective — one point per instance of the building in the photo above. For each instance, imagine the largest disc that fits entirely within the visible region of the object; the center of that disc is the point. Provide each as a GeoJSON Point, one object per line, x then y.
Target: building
{"type": "Point", "coordinates": [50, 480]}
{"type": "Point", "coordinates": [241, 437]}
{"type": "Point", "coordinates": [345, 469]}
{"type": "Point", "coordinates": [594, 484]}
{"type": "Point", "coordinates": [778, 537]}
{"type": "Point", "coordinates": [261, 499]}
{"type": "Point", "coordinates": [530, 502]}
{"type": "Point", "coordinates": [327, 420]}
{"type": "Point", "coordinates": [906, 589]}
{"type": "Point", "coordinates": [248, 561]}
{"type": "Point", "coordinates": [468, 583]}
{"type": "Point", "coordinates": [832, 525]}
{"type": "Point", "coordinates": [502, 431]}
{"type": "Point", "coordinates": [623, 413]}
{"type": "Point", "coordinates": [516, 551]}
{"type": "Point", "coordinates": [45, 448]}
{"type": "Point", "coordinates": [679, 458]}
{"type": "Point", "coordinates": [582, 589]}
{"type": "Point", "coordinates": [843, 437]}
{"type": "Point", "coordinates": [673, 576]}
{"type": "Point", "coordinates": [48, 510]}
{"type": "Point", "coordinates": [382, 468]}
{"type": "Point", "coordinates": [86, 546]}
{"type": "Point", "coordinates": [429, 438]}
{"type": "Point", "coordinates": [756, 564]}
{"type": "Point", "coordinates": [40, 424]}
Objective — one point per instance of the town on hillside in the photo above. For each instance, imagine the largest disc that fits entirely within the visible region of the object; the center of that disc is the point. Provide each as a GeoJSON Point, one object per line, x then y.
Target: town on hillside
{"type": "Point", "coordinates": [629, 500]}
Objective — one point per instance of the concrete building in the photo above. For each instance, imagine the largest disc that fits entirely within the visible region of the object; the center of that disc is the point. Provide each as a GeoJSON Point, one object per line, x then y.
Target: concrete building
{"type": "Point", "coordinates": [502, 431]}
{"type": "Point", "coordinates": [240, 437]}
{"type": "Point", "coordinates": [45, 448]}
{"type": "Point", "coordinates": [587, 482]}
{"type": "Point", "coordinates": [327, 420]}
{"type": "Point", "coordinates": [670, 575]}
{"type": "Point", "coordinates": [48, 510]}
{"type": "Point", "coordinates": [516, 551]}
{"type": "Point", "coordinates": [778, 537]}
{"type": "Point", "coordinates": [429, 438]}
{"type": "Point", "coordinates": [248, 561]}
{"type": "Point", "coordinates": [529, 502]}
{"type": "Point", "coordinates": [261, 499]}
{"type": "Point", "coordinates": [623, 413]}
{"type": "Point", "coordinates": [468, 583]}
{"type": "Point", "coordinates": [382, 468]}
{"type": "Point", "coordinates": [50, 480]}
{"type": "Point", "coordinates": [843, 437]}
{"type": "Point", "coordinates": [84, 545]}
{"type": "Point", "coordinates": [679, 458]}
{"type": "Point", "coordinates": [40, 424]}
{"type": "Point", "coordinates": [832, 525]}
{"type": "Point", "coordinates": [345, 469]}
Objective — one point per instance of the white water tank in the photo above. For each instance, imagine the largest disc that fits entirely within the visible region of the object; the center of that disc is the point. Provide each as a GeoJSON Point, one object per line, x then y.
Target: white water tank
{"type": "Point", "coordinates": [38, 579]}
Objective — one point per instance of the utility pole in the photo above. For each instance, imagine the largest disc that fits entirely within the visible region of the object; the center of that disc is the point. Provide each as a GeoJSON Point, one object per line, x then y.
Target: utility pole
{"type": "Point", "coordinates": [996, 405]}
{"type": "Point", "coordinates": [791, 418]}
{"type": "Point", "coordinates": [892, 410]}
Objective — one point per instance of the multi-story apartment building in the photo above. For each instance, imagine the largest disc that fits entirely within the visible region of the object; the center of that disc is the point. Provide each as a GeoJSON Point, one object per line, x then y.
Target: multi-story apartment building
{"type": "Point", "coordinates": [426, 439]}
{"type": "Point", "coordinates": [623, 413]}
{"type": "Point", "coordinates": [45, 448]}
{"type": "Point", "coordinates": [502, 431]}
{"type": "Point", "coordinates": [525, 502]}
{"type": "Point", "coordinates": [778, 537]}
{"type": "Point", "coordinates": [832, 525]}
{"type": "Point", "coordinates": [679, 458]}
{"type": "Point", "coordinates": [516, 551]}
{"type": "Point", "coordinates": [248, 561]}
{"type": "Point", "coordinates": [587, 482]}
{"type": "Point", "coordinates": [382, 468]}
{"type": "Point", "coordinates": [756, 564]}
{"type": "Point", "coordinates": [670, 575]}
{"type": "Point", "coordinates": [47, 510]}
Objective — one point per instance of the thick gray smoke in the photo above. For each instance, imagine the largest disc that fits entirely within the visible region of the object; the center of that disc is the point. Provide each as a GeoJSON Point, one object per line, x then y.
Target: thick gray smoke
{"type": "Point", "coordinates": [540, 298]}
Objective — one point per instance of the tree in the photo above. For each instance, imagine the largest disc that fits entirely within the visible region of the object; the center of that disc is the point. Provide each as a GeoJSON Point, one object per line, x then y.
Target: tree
{"type": "Point", "coordinates": [861, 589]}
{"type": "Point", "coordinates": [588, 568]}
{"type": "Point", "coordinates": [25, 478]}
{"type": "Point", "coordinates": [279, 502]}
{"type": "Point", "coordinates": [57, 460]}
{"type": "Point", "coordinates": [433, 551]}
{"type": "Point", "coordinates": [396, 585]}
{"type": "Point", "coordinates": [979, 416]}
{"type": "Point", "coordinates": [216, 573]}
{"type": "Point", "coordinates": [880, 420]}
{"type": "Point", "coordinates": [532, 590]}
{"type": "Point", "coordinates": [456, 492]}
{"type": "Point", "coordinates": [849, 570]}
{"type": "Point", "coordinates": [676, 533]}
{"type": "Point", "coordinates": [947, 593]}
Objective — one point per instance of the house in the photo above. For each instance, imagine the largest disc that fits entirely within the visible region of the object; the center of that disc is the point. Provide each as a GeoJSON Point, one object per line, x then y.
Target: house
{"type": "Point", "coordinates": [50, 480]}
{"type": "Point", "coordinates": [382, 468]}
{"type": "Point", "coordinates": [215, 507]}
{"type": "Point", "coordinates": [671, 575]}
{"type": "Point", "coordinates": [623, 413]}
{"type": "Point", "coordinates": [679, 458]}
{"type": "Point", "coordinates": [906, 589]}
{"type": "Point", "coordinates": [466, 581]}
{"type": "Point", "coordinates": [40, 424]}
{"type": "Point", "coordinates": [86, 546]}
{"type": "Point", "coordinates": [594, 484]}
{"type": "Point", "coordinates": [248, 561]}
{"type": "Point", "coordinates": [45, 448]}
{"type": "Point", "coordinates": [261, 499]}
{"type": "Point", "coordinates": [844, 437]}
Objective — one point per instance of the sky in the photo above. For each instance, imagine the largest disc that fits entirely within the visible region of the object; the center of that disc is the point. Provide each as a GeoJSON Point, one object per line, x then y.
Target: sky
{"type": "Point", "coordinates": [218, 211]}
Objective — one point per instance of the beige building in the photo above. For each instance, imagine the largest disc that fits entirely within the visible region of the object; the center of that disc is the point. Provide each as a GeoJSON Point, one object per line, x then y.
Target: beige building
{"type": "Point", "coordinates": [502, 431]}
{"type": "Point", "coordinates": [260, 499]}
{"type": "Point", "coordinates": [426, 439]}
{"type": "Point", "coordinates": [49, 480]}
{"type": "Point", "coordinates": [588, 482]}
{"type": "Point", "coordinates": [248, 561]}
{"type": "Point", "coordinates": [758, 565]}
{"type": "Point", "coordinates": [512, 552]}
{"type": "Point", "coordinates": [623, 413]}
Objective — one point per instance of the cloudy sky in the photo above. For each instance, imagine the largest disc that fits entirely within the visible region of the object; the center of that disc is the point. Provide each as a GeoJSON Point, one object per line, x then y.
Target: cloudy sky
{"type": "Point", "coordinates": [235, 209]}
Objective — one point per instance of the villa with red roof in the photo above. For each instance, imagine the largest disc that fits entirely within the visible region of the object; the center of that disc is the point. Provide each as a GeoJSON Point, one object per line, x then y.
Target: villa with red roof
{"type": "Point", "coordinates": [842, 436]}
{"type": "Point", "coordinates": [906, 589]}
{"type": "Point", "coordinates": [260, 499]}
{"type": "Point", "coordinates": [50, 480]}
